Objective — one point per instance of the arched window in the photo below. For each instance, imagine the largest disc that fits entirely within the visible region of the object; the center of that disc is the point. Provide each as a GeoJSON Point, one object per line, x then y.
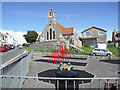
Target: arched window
{"type": "Point", "coordinates": [47, 36]}
{"type": "Point", "coordinates": [51, 13]}
{"type": "Point", "coordinates": [53, 34]}
{"type": "Point", "coordinates": [50, 33]}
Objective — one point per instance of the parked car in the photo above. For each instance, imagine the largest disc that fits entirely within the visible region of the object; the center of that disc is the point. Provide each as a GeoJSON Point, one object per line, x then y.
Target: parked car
{"type": "Point", "coordinates": [12, 46]}
{"type": "Point", "coordinates": [7, 46]}
{"type": "Point", "coordinates": [3, 48]}
{"type": "Point", "coordinates": [101, 52]}
{"type": "Point", "coordinates": [20, 46]}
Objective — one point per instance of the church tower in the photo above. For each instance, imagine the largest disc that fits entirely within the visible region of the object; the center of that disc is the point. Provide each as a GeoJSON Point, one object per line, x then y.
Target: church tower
{"type": "Point", "coordinates": [51, 17]}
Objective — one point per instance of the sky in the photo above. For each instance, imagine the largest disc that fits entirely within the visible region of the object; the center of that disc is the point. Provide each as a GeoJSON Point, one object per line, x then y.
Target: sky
{"type": "Point", "coordinates": [24, 16]}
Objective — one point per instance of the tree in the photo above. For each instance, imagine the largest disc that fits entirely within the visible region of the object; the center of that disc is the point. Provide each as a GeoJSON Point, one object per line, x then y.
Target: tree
{"type": "Point", "coordinates": [31, 36]}
{"type": "Point", "coordinates": [109, 41]}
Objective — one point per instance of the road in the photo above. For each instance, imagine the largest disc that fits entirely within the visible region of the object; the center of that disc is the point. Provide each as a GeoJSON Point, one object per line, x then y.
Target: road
{"type": "Point", "coordinates": [6, 56]}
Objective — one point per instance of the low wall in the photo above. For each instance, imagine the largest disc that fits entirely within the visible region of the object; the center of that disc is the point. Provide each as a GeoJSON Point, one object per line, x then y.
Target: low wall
{"type": "Point", "coordinates": [47, 44]}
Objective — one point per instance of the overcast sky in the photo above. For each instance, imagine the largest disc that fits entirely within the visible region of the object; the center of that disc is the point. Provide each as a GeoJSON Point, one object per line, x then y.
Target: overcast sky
{"type": "Point", "coordinates": [24, 16]}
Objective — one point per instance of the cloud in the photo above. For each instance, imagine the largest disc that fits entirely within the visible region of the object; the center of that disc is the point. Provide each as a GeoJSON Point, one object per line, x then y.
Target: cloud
{"type": "Point", "coordinates": [39, 33]}
{"type": "Point", "coordinates": [18, 36]}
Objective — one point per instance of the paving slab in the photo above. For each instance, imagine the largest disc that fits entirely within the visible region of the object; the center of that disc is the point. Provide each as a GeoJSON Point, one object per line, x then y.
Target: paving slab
{"type": "Point", "coordinates": [93, 66]}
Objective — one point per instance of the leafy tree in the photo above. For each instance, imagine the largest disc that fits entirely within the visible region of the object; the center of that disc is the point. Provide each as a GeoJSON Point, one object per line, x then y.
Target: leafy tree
{"type": "Point", "coordinates": [31, 36]}
{"type": "Point", "coordinates": [109, 41]}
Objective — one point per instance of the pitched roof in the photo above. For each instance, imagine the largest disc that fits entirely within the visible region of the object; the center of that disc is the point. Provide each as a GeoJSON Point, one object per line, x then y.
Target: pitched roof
{"type": "Point", "coordinates": [88, 38]}
{"type": "Point", "coordinates": [38, 38]}
{"type": "Point", "coordinates": [94, 27]}
{"type": "Point", "coordinates": [65, 31]}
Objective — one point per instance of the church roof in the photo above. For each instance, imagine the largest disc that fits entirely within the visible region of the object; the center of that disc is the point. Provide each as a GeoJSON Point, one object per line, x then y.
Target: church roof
{"type": "Point", "coordinates": [65, 31]}
{"type": "Point", "coordinates": [38, 38]}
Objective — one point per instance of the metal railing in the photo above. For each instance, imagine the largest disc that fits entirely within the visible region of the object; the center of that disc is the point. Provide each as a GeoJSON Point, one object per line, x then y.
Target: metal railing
{"type": "Point", "coordinates": [46, 82]}
{"type": "Point", "coordinates": [13, 75]}
{"type": "Point", "coordinates": [17, 67]}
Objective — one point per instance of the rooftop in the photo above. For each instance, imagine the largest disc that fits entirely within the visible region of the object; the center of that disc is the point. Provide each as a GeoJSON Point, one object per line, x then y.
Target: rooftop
{"type": "Point", "coordinates": [65, 31]}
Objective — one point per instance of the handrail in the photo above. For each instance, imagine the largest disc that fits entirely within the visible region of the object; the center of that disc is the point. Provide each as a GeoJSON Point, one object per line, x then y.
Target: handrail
{"type": "Point", "coordinates": [56, 78]}
{"type": "Point", "coordinates": [16, 59]}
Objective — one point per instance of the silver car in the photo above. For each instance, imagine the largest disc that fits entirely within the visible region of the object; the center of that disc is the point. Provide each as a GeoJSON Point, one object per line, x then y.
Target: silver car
{"type": "Point", "coordinates": [101, 52]}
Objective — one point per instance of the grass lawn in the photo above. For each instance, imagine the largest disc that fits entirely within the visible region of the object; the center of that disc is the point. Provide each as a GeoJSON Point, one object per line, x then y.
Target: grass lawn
{"type": "Point", "coordinates": [39, 49]}
{"type": "Point", "coordinates": [87, 49]}
{"type": "Point", "coordinates": [114, 50]}
{"type": "Point", "coordinates": [51, 50]}
{"type": "Point", "coordinates": [80, 53]}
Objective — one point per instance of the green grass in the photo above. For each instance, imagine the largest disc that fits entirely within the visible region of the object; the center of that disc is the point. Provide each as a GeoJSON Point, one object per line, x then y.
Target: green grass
{"type": "Point", "coordinates": [114, 50]}
{"type": "Point", "coordinates": [39, 49]}
{"type": "Point", "coordinates": [87, 49]}
{"type": "Point", "coordinates": [80, 53]}
{"type": "Point", "coordinates": [51, 50]}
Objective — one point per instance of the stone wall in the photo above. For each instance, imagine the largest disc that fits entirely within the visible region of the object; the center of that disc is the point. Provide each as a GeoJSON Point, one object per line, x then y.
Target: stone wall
{"type": "Point", "coordinates": [48, 44]}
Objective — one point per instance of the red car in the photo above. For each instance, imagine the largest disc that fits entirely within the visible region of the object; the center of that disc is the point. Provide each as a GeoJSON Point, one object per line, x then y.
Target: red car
{"type": "Point", "coordinates": [3, 48]}
{"type": "Point", "coordinates": [7, 46]}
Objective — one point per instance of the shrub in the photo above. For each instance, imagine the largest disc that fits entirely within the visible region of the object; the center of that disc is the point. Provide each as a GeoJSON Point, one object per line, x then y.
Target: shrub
{"type": "Point", "coordinates": [24, 44]}
{"type": "Point", "coordinates": [86, 45]}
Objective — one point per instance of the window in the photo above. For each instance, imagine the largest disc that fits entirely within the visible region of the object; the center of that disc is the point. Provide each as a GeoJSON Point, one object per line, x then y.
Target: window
{"type": "Point", "coordinates": [103, 50]}
{"type": "Point", "coordinates": [53, 34]}
{"type": "Point", "coordinates": [2, 37]}
{"type": "Point", "coordinates": [50, 33]}
{"type": "Point", "coordinates": [83, 41]}
{"type": "Point", "coordinates": [51, 13]}
{"type": "Point", "coordinates": [101, 33]}
{"type": "Point", "coordinates": [50, 23]}
{"type": "Point", "coordinates": [87, 34]}
{"type": "Point", "coordinates": [97, 50]}
{"type": "Point", "coordinates": [47, 35]}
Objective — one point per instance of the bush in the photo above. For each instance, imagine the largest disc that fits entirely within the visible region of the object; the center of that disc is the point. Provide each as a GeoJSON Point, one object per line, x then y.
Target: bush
{"type": "Point", "coordinates": [24, 44]}
{"type": "Point", "coordinates": [86, 45]}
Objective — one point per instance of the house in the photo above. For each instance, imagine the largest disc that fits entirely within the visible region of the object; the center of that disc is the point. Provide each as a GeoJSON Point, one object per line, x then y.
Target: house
{"type": "Point", "coordinates": [3, 39]}
{"type": "Point", "coordinates": [116, 38]}
{"type": "Point", "coordinates": [94, 37]}
{"type": "Point", "coordinates": [54, 32]}
{"type": "Point", "coordinates": [10, 39]}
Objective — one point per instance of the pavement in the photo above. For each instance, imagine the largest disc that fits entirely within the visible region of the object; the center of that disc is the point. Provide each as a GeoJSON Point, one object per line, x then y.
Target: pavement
{"type": "Point", "coordinates": [93, 66]}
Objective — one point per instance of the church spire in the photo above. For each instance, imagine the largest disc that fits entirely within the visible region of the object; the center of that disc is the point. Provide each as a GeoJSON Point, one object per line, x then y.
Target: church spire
{"type": "Point", "coordinates": [51, 12]}
{"type": "Point", "coordinates": [51, 16]}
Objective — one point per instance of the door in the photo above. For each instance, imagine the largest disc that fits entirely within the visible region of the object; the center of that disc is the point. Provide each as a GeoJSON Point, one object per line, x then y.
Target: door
{"type": "Point", "coordinates": [94, 43]}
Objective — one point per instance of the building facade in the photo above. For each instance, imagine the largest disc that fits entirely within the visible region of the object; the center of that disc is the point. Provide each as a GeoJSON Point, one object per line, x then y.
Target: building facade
{"type": "Point", "coordinates": [116, 38]}
{"type": "Point", "coordinates": [3, 39]}
{"type": "Point", "coordinates": [94, 37]}
{"type": "Point", "coordinates": [54, 32]}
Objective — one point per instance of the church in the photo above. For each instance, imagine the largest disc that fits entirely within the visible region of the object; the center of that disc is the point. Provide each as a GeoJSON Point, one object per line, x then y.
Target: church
{"type": "Point", "coordinates": [53, 33]}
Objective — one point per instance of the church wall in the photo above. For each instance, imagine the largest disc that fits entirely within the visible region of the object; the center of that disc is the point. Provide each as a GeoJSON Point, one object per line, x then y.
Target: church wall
{"type": "Point", "coordinates": [49, 44]}
{"type": "Point", "coordinates": [58, 34]}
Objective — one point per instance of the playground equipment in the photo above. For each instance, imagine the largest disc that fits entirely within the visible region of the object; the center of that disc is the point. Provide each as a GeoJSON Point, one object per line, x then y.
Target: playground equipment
{"type": "Point", "coordinates": [65, 66]}
{"type": "Point", "coordinates": [60, 53]}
